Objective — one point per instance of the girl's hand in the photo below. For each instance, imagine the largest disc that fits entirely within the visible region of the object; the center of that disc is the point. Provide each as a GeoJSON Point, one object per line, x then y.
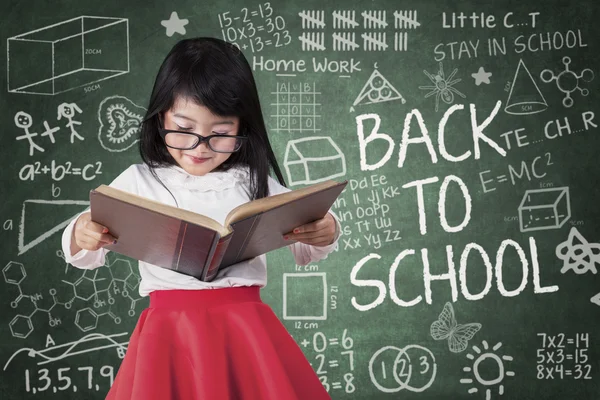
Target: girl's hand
{"type": "Point", "coordinates": [89, 235]}
{"type": "Point", "coordinates": [317, 233]}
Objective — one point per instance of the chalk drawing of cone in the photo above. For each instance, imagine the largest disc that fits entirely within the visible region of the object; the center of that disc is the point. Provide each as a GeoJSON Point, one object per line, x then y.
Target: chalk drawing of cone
{"type": "Point", "coordinates": [524, 97]}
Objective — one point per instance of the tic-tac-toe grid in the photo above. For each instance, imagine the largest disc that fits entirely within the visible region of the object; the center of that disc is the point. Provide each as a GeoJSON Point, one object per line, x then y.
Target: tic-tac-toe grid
{"type": "Point", "coordinates": [296, 107]}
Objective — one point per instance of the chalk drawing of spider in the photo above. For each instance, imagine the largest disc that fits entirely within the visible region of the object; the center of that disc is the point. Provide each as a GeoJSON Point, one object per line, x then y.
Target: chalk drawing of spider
{"type": "Point", "coordinates": [443, 86]}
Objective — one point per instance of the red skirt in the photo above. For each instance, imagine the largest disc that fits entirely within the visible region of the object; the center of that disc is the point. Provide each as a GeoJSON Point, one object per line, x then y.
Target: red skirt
{"type": "Point", "coordinates": [213, 344]}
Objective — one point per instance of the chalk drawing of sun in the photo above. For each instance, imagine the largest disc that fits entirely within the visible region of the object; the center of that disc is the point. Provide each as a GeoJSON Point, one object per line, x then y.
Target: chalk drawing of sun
{"type": "Point", "coordinates": [488, 369]}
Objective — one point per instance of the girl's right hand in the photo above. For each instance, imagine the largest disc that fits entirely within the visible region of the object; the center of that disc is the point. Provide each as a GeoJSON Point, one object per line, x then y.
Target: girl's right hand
{"type": "Point", "coordinates": [89, 235]}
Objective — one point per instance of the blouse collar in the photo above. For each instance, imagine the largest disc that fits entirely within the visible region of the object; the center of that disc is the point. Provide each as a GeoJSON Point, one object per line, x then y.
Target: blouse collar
{"type": "Point", "coordinates": [217, 181]}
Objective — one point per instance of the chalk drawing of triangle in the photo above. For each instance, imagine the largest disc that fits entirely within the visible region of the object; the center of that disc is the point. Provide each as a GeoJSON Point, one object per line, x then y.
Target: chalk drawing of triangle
{"type": "Point", "coordinates": [373, 89]}
{"type": "Point", "coordinates": [596, 299]}
{"type": "Point", "coordinates": [42, 216]}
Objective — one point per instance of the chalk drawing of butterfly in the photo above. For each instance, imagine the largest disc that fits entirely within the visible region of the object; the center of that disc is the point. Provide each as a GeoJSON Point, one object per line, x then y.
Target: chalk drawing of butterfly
{"type": "Point", "coordinates": [458, 335]}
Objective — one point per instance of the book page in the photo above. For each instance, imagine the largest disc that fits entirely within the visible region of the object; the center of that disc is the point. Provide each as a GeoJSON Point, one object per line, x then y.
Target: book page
{"type": "Point", "coordinates": [165, 209]}
{"type": "Point", "coordinates": [267, 203]}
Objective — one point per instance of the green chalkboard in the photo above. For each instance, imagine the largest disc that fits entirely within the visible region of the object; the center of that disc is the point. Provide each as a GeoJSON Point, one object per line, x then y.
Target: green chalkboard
{"type": "Point", "coordinates": [468, 131]}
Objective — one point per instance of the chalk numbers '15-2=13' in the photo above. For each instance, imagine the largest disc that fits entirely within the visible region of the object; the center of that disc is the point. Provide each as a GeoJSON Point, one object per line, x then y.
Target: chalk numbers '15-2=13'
{"type": "Point", "coordinates": [255, 28]}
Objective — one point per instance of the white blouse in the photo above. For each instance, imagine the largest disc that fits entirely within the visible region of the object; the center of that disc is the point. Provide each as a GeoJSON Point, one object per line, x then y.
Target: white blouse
{"type": "Point", "coordinates": [213, 195]}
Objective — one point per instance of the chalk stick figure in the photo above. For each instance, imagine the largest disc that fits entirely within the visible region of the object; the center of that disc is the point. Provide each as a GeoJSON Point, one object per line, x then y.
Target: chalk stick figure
{"type": "Point", "coordinates": [67, 110]}
{"type": "Point", "coordinates": [24, 121]}
{"type": "Point", "coordinates": [49, 131]}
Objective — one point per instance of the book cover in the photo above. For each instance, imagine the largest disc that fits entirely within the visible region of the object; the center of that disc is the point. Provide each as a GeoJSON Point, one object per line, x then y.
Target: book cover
{"type": "Point", "coordinates": [153, 237]}
{"type": "Point", "coordinates": [199, 246]}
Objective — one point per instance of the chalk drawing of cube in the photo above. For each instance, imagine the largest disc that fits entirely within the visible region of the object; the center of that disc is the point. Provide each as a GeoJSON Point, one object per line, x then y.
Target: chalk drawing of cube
{"type": "Point", "coordinates": [67, 55]}
{"type": "Point", "coordinates": [305, 296]}
{"type": "Point", "coordinates": [313, 159]}
{"type": "Point", "coordinates": [542, 209]}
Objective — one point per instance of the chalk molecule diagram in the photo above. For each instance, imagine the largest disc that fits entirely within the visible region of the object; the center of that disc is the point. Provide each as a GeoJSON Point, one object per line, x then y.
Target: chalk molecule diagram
{"type": "Point", "coordinates": [101, 287]}
{"type": "Point", "coordinates": [568, 81]}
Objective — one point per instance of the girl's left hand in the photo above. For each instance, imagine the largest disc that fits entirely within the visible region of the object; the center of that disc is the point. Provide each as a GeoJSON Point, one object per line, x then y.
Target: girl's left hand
{"type": "Point", "coordinates": [317, 233]}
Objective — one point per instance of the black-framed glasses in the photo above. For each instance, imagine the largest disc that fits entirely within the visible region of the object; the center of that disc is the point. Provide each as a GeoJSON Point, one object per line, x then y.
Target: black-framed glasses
{"type": "Point", "coordinates": [188, 140]}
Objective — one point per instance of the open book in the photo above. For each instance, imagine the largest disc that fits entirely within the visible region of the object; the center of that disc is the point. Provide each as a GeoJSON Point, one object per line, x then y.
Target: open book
{"type": "Point", "coordinates": [197, 245]}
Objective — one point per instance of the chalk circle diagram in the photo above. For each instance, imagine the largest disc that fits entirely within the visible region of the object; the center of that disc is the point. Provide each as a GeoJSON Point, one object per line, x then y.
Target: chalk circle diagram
{"type": "Point", "coordinates": [578, 254]}
{"type": "Point", "coordinates": [443, 87]}
{"type": "Point", "coordinates": [397, 363]}
{"type": "Point", "coordinates": [377, 89]}
{"type": "Point", "coordinates": [120, 120]}
{"type": "Point", "coordinates": [458, 335]}
{"type": "Point", "coordinates": [567, 81]}
{"type": "Point", "coordinates": [488, 361]}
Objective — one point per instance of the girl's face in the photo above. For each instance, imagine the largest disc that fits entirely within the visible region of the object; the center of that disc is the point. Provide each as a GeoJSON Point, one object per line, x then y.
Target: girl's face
{"type": "Point", "coordinates": [187, 116]}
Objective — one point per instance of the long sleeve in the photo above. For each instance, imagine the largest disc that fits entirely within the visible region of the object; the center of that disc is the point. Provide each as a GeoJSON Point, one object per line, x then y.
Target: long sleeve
{"type": "Point", "coordinates": [304, 253]}
{"type": "Point", "coordinates": [89, 259]}
{"type": "Point", "coordinates": [85, 259]}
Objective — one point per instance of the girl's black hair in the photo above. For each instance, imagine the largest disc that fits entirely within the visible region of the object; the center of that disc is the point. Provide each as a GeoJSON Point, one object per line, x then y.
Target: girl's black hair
{"type": "Point", "coordinates": [214, 74]}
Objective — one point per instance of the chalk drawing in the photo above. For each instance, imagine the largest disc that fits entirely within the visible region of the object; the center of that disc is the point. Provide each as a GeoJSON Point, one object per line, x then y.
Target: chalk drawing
{"type": "Point", "coordinates": [174, 25]}
{"type": "Point", "coordinates": [377, 89]}
{"type": "Point", "coordinates": [95, 49]}
{"type": "Point", "coordinates": [568, 81]}
{"type": "Point", "coordinates": [489, 362]}
{"type": "Point", "coordinates": [120, 121]}
{"type": "Point", "coordinates": [524, 97]}
{"type": "Point", "coordinates": [458, 335]}
{"type": "Point", "coordinates": [443, 88]}
{"type": "Point", "coordinates": [577, 254]}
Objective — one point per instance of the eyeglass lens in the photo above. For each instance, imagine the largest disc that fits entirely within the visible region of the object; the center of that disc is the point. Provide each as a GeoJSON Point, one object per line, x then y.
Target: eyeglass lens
{"type": "Point", "coordinates": [216, 143]}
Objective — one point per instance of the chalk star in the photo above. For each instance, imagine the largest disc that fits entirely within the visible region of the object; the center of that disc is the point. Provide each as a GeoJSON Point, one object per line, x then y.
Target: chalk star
{"type": "Point", "coordinates": [481, 76]}
{"type": "Point", "coordinates": [174, 24]}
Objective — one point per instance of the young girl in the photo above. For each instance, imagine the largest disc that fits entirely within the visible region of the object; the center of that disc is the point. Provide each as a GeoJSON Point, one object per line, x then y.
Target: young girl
{"type": "Point", "coordinates": [205, 148]}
